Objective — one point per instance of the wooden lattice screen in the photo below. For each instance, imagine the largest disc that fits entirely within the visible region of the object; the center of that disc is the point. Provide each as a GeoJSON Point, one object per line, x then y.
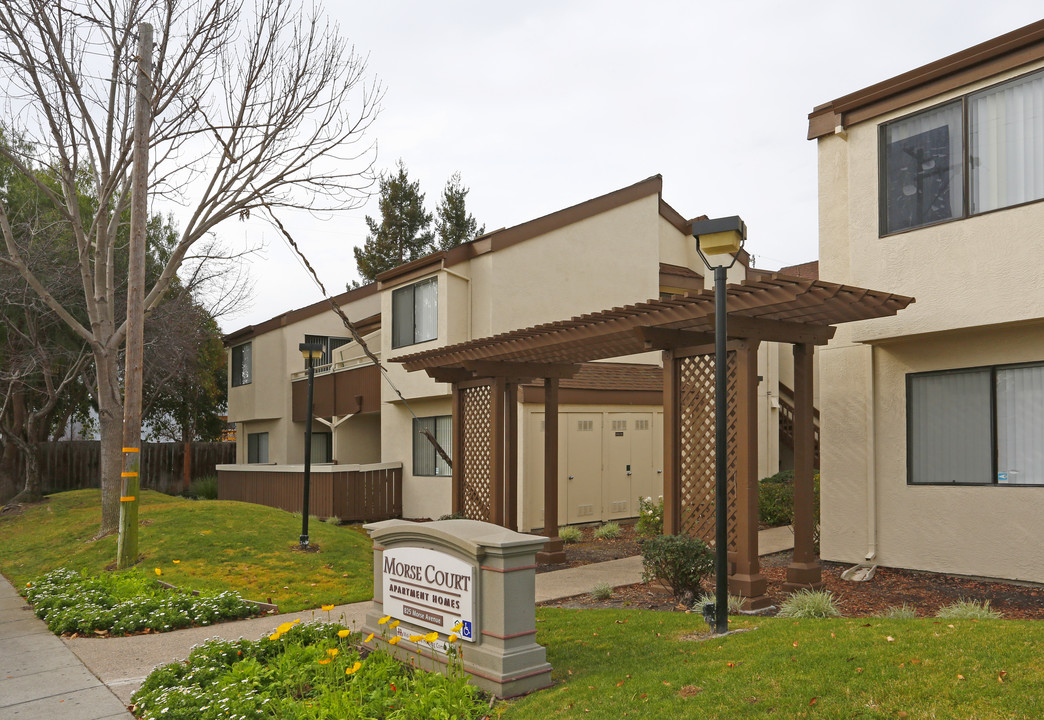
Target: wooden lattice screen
{"type": "Point", "coordinates": [477, 425]}
{"type": "Point", "coordinates": [696, 376]}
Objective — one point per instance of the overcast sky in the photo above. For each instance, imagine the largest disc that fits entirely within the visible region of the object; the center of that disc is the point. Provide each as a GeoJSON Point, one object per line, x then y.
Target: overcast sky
{"type": "Point", "coordinates": [541, 105]}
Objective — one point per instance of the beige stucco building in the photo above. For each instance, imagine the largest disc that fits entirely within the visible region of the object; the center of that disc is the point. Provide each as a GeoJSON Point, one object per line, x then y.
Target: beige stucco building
{"type": "Point", "coordinates": [624, 247]}
{"type": "Point", "coordinates": [933, 421]}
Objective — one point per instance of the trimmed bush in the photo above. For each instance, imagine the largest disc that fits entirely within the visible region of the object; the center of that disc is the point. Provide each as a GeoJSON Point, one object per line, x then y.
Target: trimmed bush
{"type": "Point", "coordinates": [678, 561]}
{"type": "Point", "coordinates": [969, 610]}
{"type": "Point", "coordinates": [609, 531]}
{"type": "Point", "coordinates": [809, 604]}
{"type": "Point", "coordinates": [650, 517]}
{"type": "Point", "coordinates": [570, 534]}
{"type": "Point", "coordinates": [776, 499]}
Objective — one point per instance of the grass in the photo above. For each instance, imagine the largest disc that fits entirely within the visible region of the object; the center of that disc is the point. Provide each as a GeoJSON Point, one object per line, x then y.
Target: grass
{"type": "Point", "coordinates": [633, 664]}
{"type": "Point", "coordinates": [220, 545]}
{"type": "Point", "coordinates": [969, 610]}
{"type": "Point", "coordinates": [570, 534]}
{"type": "Point", "coordinates": [608, 531]}
{"type": "Point", "coordinates": [809, 604]}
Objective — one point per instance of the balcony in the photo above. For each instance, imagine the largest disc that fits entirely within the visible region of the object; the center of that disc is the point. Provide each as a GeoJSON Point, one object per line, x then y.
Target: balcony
{"type": "Point", "coordinates": [346, 386]}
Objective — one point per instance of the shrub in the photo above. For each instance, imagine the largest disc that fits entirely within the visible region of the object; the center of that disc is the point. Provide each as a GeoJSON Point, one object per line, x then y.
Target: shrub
{"type": "Point", "coordinates": [650, 517]}
{"type": "Point", "coordinates": [735, 603]}
{"type": "Point", "coordinates": [679, 561]}
{"type": "Point", "coordinates": [809, 604]}
{"type": "Point", "coordinates": [570, 534]}
{"type": "Point", "coordinates": [969, 610]}
{"type": "Point", "coordinates": [776, 499]}
{"type": "Point", "coordinates": [204, 488]}
{"type": "Point", "coordinates": [454, 516]}
{"type": "Point", "coordinates": [602, 591]}
{"type": "Point", "coordinates": [899, 612]}
{"type": "Point", "coordinates": [609, 531]}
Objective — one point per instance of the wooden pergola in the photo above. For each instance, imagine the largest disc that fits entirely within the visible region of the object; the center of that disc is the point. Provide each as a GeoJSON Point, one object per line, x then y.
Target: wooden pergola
{"type": "Point", "coordinates": [485, 375]}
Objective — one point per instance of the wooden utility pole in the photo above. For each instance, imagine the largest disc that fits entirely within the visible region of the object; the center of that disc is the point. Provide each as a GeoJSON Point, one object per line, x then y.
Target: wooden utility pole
{"type": "Point", "coordinates": [127, 547]}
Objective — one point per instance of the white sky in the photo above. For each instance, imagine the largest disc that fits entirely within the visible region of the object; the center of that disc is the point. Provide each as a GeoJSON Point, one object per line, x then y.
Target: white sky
{"type": "Point", "coordinates": [544, 104]}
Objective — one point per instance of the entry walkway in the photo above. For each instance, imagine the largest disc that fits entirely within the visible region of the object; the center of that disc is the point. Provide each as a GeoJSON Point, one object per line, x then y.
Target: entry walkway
{"type": "Point", "coordinates": [43, 677]}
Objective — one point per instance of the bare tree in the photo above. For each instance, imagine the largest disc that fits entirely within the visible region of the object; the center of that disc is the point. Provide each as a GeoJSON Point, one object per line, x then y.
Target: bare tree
{"type": "Point", "coordinates": [255, 108]}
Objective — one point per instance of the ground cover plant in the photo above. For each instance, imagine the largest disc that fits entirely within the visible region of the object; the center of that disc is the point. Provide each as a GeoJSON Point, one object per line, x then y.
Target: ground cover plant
{"type": "Point", "coordinates": [125, 603]}
{"type": "Point", "coordinates": [216, 545]}
{"type": "Point", "coordinates": [809, 604]}
{"type": "Point", "coordinates": [570, 534]}
{"type": "Point", "coordinates": [301, 672]}
{"type": "Point", "coordinates": [654, 665]}
{"type": "Point", "coordinates": [608, 531]}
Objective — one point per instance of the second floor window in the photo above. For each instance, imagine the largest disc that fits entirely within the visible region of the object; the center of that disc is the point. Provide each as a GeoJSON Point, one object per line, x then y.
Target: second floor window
{"type": "Point", "coordinates": [415, 313]}
{"type": "Point", "coordinates": [329, 345]}
{"type": "Point", "coordinates": [981, 152]}
{"type": "Point", "coordinates": [242, 366]}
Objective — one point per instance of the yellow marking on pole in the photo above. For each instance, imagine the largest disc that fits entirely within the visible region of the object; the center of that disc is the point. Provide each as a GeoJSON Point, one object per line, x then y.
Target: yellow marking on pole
{"type": "Point", "coordinates": [131, 450]}
{"type": "Point", "coordinates": [128, 498]}
{"type": "Point", "coordinates": [129, 474]}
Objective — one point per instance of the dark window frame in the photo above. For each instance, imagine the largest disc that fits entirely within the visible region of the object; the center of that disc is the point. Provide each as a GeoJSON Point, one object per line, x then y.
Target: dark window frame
{"type": "Point", "coordinates": [253, 448]}
{"type": "Point", "coordinates": [412, 319]}
{"type": "Point", "coordinates": [992, 369]}
{"type": "Point", "coordinates": [237, 364]}
{"type": "Point", "coordinates": [965, 205]}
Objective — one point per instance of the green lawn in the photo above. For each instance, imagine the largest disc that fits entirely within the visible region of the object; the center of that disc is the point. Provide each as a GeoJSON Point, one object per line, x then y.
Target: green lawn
{"type": "Point", "coordinates": [637, 664]}
{"type": "Point", "coordinates": [219, 545]}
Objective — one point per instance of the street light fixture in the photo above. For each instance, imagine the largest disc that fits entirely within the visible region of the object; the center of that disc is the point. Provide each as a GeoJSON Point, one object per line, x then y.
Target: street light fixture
{"type": "Point", "coordinates": [720, 236]}
{"type": "Point", "coordinates": [311, 353]}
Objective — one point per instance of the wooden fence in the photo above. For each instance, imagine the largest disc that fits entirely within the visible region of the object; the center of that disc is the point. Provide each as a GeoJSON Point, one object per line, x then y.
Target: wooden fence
{"type": "Point", "coordinates": [352, 493]}
{"type": "Point", "coordinates": [75, 464]}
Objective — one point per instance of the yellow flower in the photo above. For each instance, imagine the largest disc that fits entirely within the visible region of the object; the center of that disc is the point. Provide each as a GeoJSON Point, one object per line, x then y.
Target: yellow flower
{"type": "Point", "coordinates": [394, 640]}
{"type": "Point", "coordinates": [353, 669]}
{"type": "Point", "coordinates": [384, 619]}
{"type": "Point", "coordinates": [452, 638]}
{"type": "Point", "coordinates": [415, 638]}
{"type": "Point", "coordinates": [344, 633]}
{"type": "Point", "coordinates": [295, 622]}
{"type": "Point", "coordinates": [177, 562]}
{"type": "Point", "coordinates": [274, 636]}
{"type": "Point", "coordinates": [368, 638]}
{"type": "Point", "coordinates": [327, 608]}
{"type": "Point", "coordinates": [431, 637]}
{"type": "Point", "coordinates": [393, 624]}
{"type": "Point", "coordinates": [332, 652]}
{"type": "Point", "coordinates": [158, 571]}
{"type": "Point", "coordinates": [324, 661]}
{"type": "Point", "coordinates": [457, 627]}
{"type": "Point", "coordinates": [285, 627]}
{"type": "Point", "coordinates": [28, 584]}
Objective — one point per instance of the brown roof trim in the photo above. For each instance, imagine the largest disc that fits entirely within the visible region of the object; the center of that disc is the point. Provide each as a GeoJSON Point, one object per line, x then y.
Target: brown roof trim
{"type": "Point", "coordinates": [421, 263]}
{"type": "Point", "coordinates": [292, 316]}
{"type": "Point", "coordinates": [1007, 52]}
{"type": "Point", "coordinates": [808, 270]}
{"type": "Point", "coordinates": [675, 218]}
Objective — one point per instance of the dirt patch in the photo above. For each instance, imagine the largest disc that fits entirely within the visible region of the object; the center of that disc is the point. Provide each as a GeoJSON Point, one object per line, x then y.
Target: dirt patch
{"type": "Point", "coordinates": [890, 587]}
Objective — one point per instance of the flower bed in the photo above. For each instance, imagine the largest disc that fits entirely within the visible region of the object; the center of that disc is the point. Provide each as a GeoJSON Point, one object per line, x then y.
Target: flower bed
{"type": "Point", "coordinates": [301, 672]}
{"type": "Point", "coordinates": [126, 603]}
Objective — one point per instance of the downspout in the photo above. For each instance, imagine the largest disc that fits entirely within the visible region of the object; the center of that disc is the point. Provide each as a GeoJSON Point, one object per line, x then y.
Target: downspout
{"type": "Point", "coordinates": [871, 460]}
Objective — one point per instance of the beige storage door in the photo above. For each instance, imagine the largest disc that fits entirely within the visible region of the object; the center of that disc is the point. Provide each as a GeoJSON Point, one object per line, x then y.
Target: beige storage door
{"type": "Point", "coordinates": [581, 494]}
{"type": "Point", "coordinates": [629, 472]}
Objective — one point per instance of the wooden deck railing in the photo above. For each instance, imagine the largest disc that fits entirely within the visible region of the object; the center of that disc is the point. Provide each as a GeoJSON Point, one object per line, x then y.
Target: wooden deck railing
{"type": "Point", "coordinates": [351, 493]}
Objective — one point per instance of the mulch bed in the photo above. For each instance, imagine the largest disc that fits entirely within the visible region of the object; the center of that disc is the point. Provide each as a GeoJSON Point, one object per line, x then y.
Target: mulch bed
{"type": "Point", "coordinates": [890, 587]}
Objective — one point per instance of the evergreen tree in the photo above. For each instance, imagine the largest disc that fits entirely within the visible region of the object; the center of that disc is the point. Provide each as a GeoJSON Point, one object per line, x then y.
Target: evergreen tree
{"type": "Point", "coordinates": [402, 234]}
{"type": "Point", "coordinates": [454, 224]}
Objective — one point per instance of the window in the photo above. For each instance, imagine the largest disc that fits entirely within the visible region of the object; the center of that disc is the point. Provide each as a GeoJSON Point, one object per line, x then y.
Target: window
{"type": "Point", "coordinates": [978, 426]}
{"type": "Point", "coordinates": [257, 447]}
{"type": "Point", "coordinates": [241, 365]}
{"type": "Point", "coordinates": [415, 313]}
{"type": "Point", "coordinates": [426, 461]}
{"type": "Point", "coordinates": [981, 152]}
{"type": "Point", "coordinates": [329, 345]}
{"type": "Point", "coordinates": [322, 447]}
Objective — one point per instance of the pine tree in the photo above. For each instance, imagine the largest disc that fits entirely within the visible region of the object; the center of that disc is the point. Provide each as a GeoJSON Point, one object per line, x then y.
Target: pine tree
{"type": "Point", "coordinates": [402, 234]}
{"type": "Point", "coordinates": [454, 224]}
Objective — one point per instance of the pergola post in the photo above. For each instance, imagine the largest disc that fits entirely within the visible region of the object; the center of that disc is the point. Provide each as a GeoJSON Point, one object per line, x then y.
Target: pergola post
{"type": "Point", "coordinates": [671, 445]}
{"type": "Point", "coordinates": [457, 482]}
{"type": "Point", "coordinates": [805, 570]}
{"type": "Point", "coordinates": [511, 456]}
{"type": "Point", "coordinates": [496, 455]}
{"type": "Point", "coordinates": [553, 551]}
{"type": "Point", "coordinates": [747, 579]}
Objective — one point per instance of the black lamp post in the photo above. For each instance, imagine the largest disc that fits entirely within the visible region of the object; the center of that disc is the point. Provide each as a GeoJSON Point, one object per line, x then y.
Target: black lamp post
{"type": "Point", "coordinates": [311, 353]}
{"type": "Point", "coordinates": [718, 237]}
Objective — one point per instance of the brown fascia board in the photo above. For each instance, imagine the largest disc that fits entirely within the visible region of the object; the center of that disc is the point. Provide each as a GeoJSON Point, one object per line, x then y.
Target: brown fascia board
{"type": "Point", "coordinates": [429, 262]}
{"type": "Point", "coordinates": [293, 316]}
{"type": "Point", "coordinates": [1000, 54]}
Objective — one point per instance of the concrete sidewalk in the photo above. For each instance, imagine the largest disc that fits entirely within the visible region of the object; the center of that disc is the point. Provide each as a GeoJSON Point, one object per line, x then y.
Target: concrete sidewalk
{"type": "Point", "coordinates": [44, 677]}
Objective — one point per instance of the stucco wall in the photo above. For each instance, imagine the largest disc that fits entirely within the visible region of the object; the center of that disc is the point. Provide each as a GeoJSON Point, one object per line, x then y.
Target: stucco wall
{"type": "Point", "coordinates": [979, 289]}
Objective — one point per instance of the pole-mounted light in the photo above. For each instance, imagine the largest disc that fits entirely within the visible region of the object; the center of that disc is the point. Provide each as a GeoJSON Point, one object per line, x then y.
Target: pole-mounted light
{"type": "Point", "coordinates": [720, 236]}
{"type": "Point", "coordinates": [311, 353]}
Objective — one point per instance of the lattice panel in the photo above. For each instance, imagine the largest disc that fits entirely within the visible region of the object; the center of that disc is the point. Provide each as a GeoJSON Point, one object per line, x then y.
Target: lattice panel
{"type": "Point", "coordinates": [477, 423]}
{"type": "Point", "coordinates": [696, 389]}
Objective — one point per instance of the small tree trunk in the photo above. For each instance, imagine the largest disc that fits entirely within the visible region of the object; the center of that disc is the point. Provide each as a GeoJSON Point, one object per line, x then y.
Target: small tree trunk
{"type": "Point", "coordinates": [110, 425]}
{"type": "Point", "coordinates": [8, 472]}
